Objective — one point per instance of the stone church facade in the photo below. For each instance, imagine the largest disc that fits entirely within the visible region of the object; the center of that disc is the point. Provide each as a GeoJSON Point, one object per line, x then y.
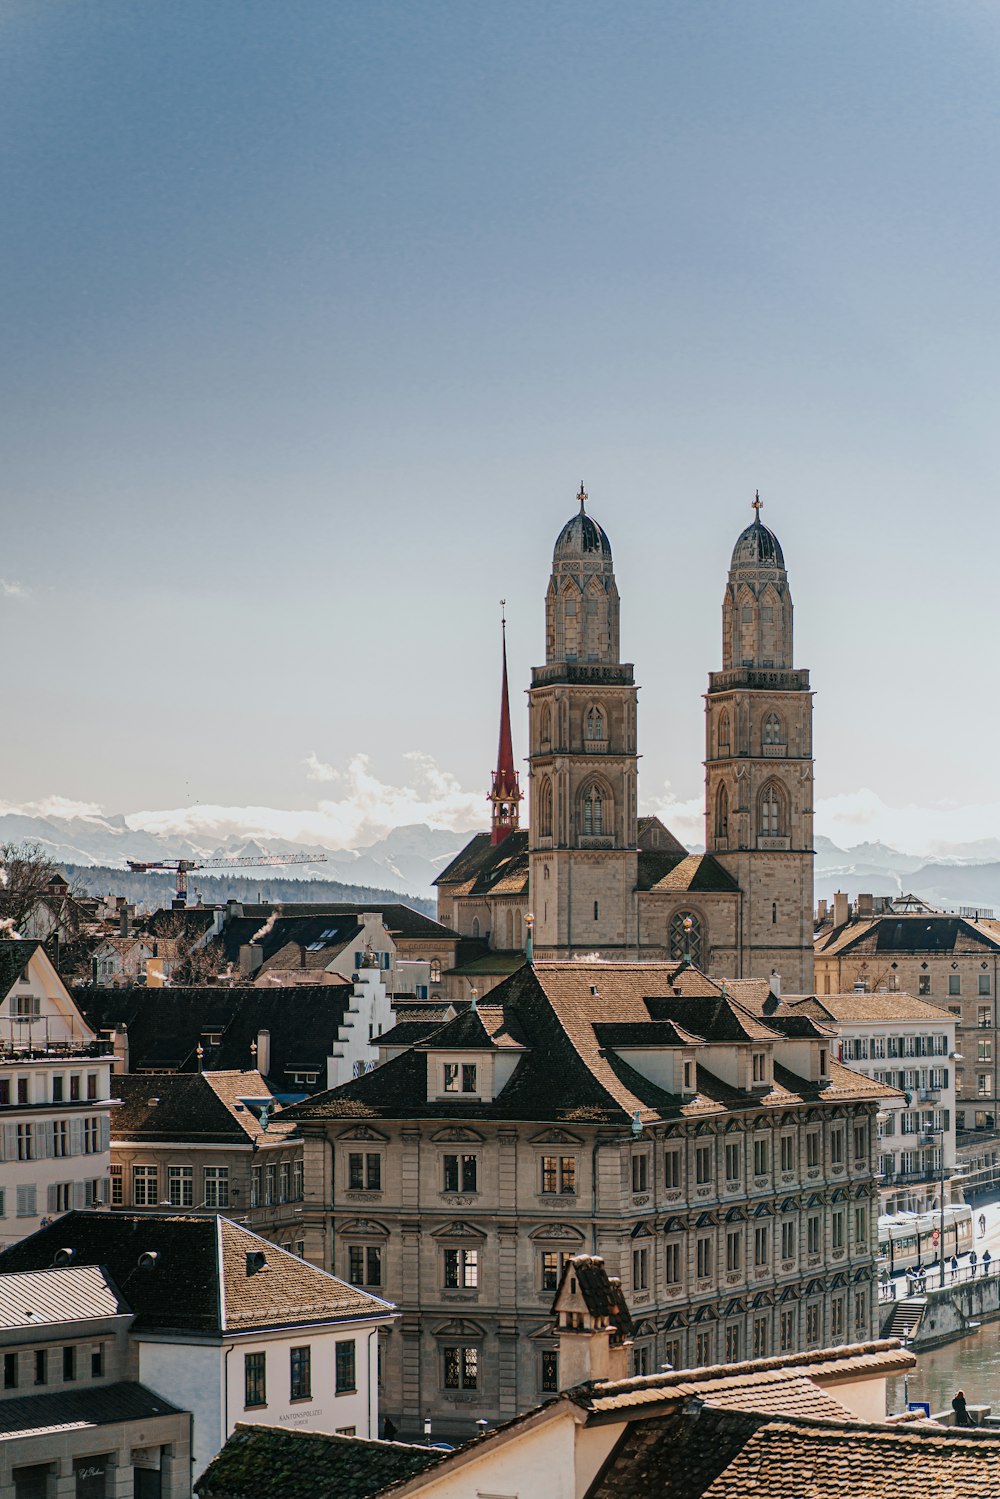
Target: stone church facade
{"type": "Point", "coordinates": [594, 876]}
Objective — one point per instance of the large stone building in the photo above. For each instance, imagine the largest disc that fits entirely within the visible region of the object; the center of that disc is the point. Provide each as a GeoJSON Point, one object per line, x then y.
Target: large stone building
{"type": "Point", "coordinates": [721, 1163]}
{"type": "Point", "coordinates": [595, 876]}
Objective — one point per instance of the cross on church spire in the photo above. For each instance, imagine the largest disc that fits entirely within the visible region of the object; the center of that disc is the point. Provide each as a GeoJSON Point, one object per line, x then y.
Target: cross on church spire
{"type": "Point", "coordinates": [582, 496]}
{"type": "Point", "coordinates": [757, 503]}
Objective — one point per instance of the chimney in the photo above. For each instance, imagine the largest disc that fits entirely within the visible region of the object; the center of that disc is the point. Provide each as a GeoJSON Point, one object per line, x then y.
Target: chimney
{"type": "Point", "coordinates": [120, 1043]}
{"type": "Point", "coordinates": [251, 957]}
{"type": "Point", "coordinates": [593, 1323]}
{"type": "Point", "coordinates": [821, 910]}
{"type": "Point", "coordinates": [123, 920]}
{"type": "Point", "coordinates": [841, 909]}
{"type": "Point", "coordinates": [263, 1052]}
{"type": "Point", "coordinates": [865, 905]}
{"type": "Point", "coordinates": [775, 983]}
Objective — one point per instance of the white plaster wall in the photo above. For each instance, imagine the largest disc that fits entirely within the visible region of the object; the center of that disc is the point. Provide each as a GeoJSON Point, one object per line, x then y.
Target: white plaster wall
{"type": "Point", "coordinates": [536, 1464]}
{"type": "Point", "coordinates": [325, 1410]}
{"type": "Point", "coordinates": [190, 1374]}
{"type": "Point", "coordinates": [368, 1015]}
{"type": "Point", "coordinates": [865, 1397]}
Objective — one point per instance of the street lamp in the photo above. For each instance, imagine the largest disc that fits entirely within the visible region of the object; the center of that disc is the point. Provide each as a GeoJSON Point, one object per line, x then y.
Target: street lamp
{"type": "Point", "coordinates": [939, 1134]}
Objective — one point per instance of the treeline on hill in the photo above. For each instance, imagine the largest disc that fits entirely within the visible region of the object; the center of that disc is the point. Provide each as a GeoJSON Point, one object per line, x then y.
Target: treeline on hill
{"type": "Point", "coordinates": [155, 890]}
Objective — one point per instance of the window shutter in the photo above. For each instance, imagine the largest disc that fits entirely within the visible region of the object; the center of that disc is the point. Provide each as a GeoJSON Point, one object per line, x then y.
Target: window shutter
{"type": "Point", "coordinates": [10, 1142]}
{"type": "Point", "coordinates": [79, 1194]}
{"type": "Point", "coordinates": [105, 1133]}
{"type": "Point", "coordinates": [26, 1200]}
{"type": "Point", "coordinates": [76, 1137]}
{"type": "Point", "coordinates": [43, 1139]}
{"type": "Point", "coordinates": [52, 1197]}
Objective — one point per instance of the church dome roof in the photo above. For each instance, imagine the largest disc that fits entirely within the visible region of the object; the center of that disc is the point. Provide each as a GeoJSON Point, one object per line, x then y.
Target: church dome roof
{"type": "Point", "coordinates": [757, 547]}
{"type": "Point", "coordinates": [581, 537]}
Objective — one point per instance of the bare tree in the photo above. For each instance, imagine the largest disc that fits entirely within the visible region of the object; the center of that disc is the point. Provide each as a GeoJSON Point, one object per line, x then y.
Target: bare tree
{"type": "Point", "coordinates": [26, 875]}
{"type": "Point", "coordinates": [191, 960]}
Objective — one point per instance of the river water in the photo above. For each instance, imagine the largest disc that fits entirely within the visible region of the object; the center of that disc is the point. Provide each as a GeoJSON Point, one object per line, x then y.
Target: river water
{"type": "Point", "coordinates": [971, 1364]}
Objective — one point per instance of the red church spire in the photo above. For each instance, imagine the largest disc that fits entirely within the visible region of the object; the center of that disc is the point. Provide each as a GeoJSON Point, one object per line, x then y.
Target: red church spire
{"type": "Point", "coordinates": [505, 794]}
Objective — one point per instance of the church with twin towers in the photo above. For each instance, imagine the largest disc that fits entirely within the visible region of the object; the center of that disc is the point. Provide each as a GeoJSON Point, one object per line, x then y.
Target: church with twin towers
{"type": "Point", "coordinates": [590, 875]}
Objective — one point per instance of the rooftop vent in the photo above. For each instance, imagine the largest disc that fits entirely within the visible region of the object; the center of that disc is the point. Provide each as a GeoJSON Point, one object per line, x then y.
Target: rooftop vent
{"type": "Point", "coordinates": [256, 1261]}
{"type": "Point", "coordinates": [148, 1260]}
{"type": "Point", "coordinates": [64, 1257]}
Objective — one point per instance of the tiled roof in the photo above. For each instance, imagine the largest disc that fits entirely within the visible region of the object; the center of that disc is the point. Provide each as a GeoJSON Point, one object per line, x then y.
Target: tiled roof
{"type": "Point", "coordinates": [190, 1107]}
{"type": "Point", "coordinates": [874, 1007]}
{"type": "Point", "coordinates": [260, 1461]}
{"type": "Point", "coordinates": [568, 1073]}
{"type": "Point", "coordinates": [654, 835]}
{"type": "Point", "coordinates": [14, 956]}
{"type": "Point", "coordinates": [100, 1405]}
{"type": "Point", "coordinates": [693, 872]}
{"type": "Point", "coordinates": [65, 1294]}
{"type": "Point", "coordinates": [199, 1280]}
{"type": "Point", "coordinates": [918, 933]}
{"type": "Point", "coordinates": [164, 1033]}
{"type": "Point", "coordinates": [489, 868]}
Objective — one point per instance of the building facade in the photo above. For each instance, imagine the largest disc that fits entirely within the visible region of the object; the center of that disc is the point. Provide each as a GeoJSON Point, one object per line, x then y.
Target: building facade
{"type": "Point", "coordinates": [597, 878]}
{"type": "Point", "coordinates": [721, 1165]}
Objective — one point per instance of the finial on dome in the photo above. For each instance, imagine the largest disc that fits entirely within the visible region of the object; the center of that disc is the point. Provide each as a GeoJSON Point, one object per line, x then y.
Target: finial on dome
{"type": "Point", "coordinates": [757, 503]}
{"type": "Point", "coordinates": [582, 497]}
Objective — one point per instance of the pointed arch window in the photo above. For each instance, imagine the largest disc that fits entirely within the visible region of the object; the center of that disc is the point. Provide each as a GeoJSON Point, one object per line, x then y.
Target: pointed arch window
{"type": "Point", "coordinates": [545, 808]}
{"type": "Point", "coordinates": [686, 937]}
{"type": "Point", "coordinates": [595, 724]}
{"type": "Point", "coordinates": [475, 926]}
{"type": "Point", "coordinates": [770, 820]}
{"type": "Point", "coordinates": [593, 812]}
{"type": "Point", "coordinates": [772, 731]}
{"type": "Point", "coordinates": [545, 727]}
{"type": "Point", "coordinates": [722, 813]}
{"type": "Point", "coordinates": [724, 732]}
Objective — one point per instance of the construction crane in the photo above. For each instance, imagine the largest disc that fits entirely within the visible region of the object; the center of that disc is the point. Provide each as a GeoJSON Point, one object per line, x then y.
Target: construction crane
{"type": "Point", "coordinates": [183, 867]}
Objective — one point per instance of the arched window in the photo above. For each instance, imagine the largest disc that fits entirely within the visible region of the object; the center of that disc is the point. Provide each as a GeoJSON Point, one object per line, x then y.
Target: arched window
{"type": "Point", "coordinates": [545, 727]}
{"type": "Point", "coordinates": [545, 808]}
{"type": "Point", "coordinates": [722, 813]}
{"type": "Point", "coordinates": [435, 975]}
{"type": "Point", "coordinates": [475, 926]}
{"type": "Point", "coordinates": [772, 730]}
{"type": "Point", "coordinates": [770, 818]}
{"type": "Point", "coordinates": [686, 937]}
{"type": "Point", "coordinates": [723, 733]}
{"type": "Point", "coordinates": [595, 726]}
{"type": "Point", "coordinates": [593, 812]}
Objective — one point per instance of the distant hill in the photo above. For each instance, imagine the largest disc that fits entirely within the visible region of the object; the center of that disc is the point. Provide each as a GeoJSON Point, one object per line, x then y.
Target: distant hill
{"type": "Point", "coordinates": [157, 890]}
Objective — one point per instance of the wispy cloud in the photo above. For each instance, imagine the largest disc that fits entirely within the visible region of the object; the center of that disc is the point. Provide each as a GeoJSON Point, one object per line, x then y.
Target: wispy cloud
{"type": "Point", "coordinates": [12, 589]}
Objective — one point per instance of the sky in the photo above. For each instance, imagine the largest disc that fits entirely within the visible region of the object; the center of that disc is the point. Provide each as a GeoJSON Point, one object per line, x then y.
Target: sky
{"type": "Point", "coordinates": [315, 316]}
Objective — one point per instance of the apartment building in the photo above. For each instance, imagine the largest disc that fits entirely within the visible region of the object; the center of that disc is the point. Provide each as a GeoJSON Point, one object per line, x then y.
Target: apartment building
{"type": "Point", "coordinates": [721, 1164]}
{"type": "Point", "coordinates": [55, 1096]}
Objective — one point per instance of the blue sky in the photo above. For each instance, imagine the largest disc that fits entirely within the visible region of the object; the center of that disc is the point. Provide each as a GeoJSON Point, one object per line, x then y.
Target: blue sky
{"type": "Point", "coordinates": [316, 314]}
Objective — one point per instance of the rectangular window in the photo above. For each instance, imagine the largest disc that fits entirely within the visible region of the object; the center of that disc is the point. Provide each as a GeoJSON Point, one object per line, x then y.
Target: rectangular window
{"type": "Point", "coordinates": [985, 1017]}
{"type": "Point", "coordinates": [761, 1246]}
{"type": "Point", "coordinates": [640, 1172]}
{"type": "Point", "coordinates": [703, 1257]}
{"type": "Point", "coordinates": [91, 1085]}
{"type": "Point", "coordinates": [812, 1323]}
{"type": "Point", "coordinates": [788, 1152]}
{"type": "Point", "coordinates": [10, 1371]}
{"type": "Point", "coordinates": [703, 1165]}
{"type": "Point", "coordinates": [839, 1228]}
{"type": "Point", "coordinates": [860, 1310]}
{"type": "Point", "coordinates": [22, 1090]}
{"type": "Point", "coordinates": [90, 1137]}
{"type": "Point", "coordinates": [256, 1187]}
{"type": "Point", "coordinates": [180, 1186]}
{"type": "Point", "coordinates": [954, 983]}
{"type": "Point", "coordinates": [346, 1367]}
{"type": "Point", "coordinates": [451, 1076]}
{"type": "Point", "coordinates": [861, 1225]}
{"type": "Point", "coordinates": [640, 1360]}
{"type": "Point", "coordinates": [97, 1362]}
{"type": "Point", "coordinates": [812, 1234]}
{"type": "Point", "coordinates": [117, 1187]}
{"type": "Point", "coordinates": [461, 1268]}
{"type": "Point", "coordinates": [60, 1137]}
{"type": "Point", "coordinates": [216, 1186]}
{"type": "Point", "coordinates": [469, 1072]}
{"type": "Point", "coordinates": [145, 1186]}
{"type": "Point", "coordinates": [985, 1048]}
{"type": "Point", "coordinates": [924, 983]}
{"type": "Point", "coordinates": [298, 1180]}
{"type": "Point", "coordinates": [254, 1379]}
{"type": "Point", "coordinates": [63, 1195]}
{"type": "Point", "coordinates": [672, 1169]}
{"type": "Point", "coordinates": [786, 1331]}
{"type": "Point", "coordinates": [284, 1181]}
{"type": "Point", "coordinates": [271, 1185]}
{"type": "Point", "coordinates": [761, 1337]}
{"type": "Point", "coordinates": [640, 1269]}
{"type": "Point", "coordinates": [812, 1147]}
{"type": "Point", "coordinates": [300, 1374]}
{"type": "Point", "coordinates": [672, 1264]}
{"type": "Point", "coordinates": [733, 1343]}
{"type": "Point", "coordinates": [837, 1308]}
{"type": "Point", "coordinates": [69, 1363]}
{"type": "Point", "coordinates": [704, 1349]}
{"type": "Point", "coordinates": [460, 1173]}
{"type": "Point", "coordinates": [761, 1158]}
{"type": "Point", "coordinates": [41, 1366]}
{"type": "Point", "coordinates": [559, 1173]}
{"type": "Point", "coordinates": [788, 1240]}
{"type": "Point", "coordinates": [733, 1161]}
{"type": "Point", "coordinates": [759, 1064]}
{"type": "Point", "coordinates": [25, 1143]}
{"type": "Point", "coordinates": [364, 1265]}
{"type": "Point", "coordinates": [983, 1087]}
{"type": "Point", "coordinates": [549, 1372]}
{"type": "Point", "coordinates": [551, 1262]}
{"type": "Point", "coordinates": [837, 1147]}
{"type": "Point", "coordinates": [356, 1171]}
{"type": "Point", "coordinates": [734, 1250]}
{"type": "Point", "coordinates": [461, 1368]}
{"type": "Point", "coordinates": [984, 983]}
{"type": "Point", "coordinates": [861, 1142]}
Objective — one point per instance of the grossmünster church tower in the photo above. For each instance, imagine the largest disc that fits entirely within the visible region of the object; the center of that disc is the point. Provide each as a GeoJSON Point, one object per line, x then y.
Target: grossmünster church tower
{"type": "Point", "coordinates": [595, 876]}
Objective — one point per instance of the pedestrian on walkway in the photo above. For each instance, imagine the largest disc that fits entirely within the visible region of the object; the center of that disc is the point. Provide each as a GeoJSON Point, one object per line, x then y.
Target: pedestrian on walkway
{"type": "Point", "coordinates": [972, 1260]}
{"type": "Point", "coordinates": [982, 1224]}
{"type": "Point", "coordinates": [987, 1258]}
{"type": "Point", "coordinates": [954, 1266]}
{"type": "Point", "coordinates": [958, 1405]}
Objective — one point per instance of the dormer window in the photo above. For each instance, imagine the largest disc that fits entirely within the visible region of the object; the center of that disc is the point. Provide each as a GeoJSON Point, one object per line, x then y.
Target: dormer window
{"type": "Point", "coordinates": [461, 1077]}
{"type": "Point", "coordinates": [688, 1076]}
{"type": "Point", "coordinates": [759, 1066]}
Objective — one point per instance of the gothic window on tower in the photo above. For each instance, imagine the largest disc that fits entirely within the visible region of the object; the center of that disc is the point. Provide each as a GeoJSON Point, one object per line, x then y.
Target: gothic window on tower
{"type": "Point", "coordinates": [772, 730]}
{"type": "Point", "coordinates": [595, 724]}
{"type": "Point", "coordinates": [722, 813]}
{"type": "Point", "coordinates": [723, 733]}
{"type": "Point", "coordinates": [686, 937]}
{"type": "Point", "coordinates": [545, 727]}
{"type": "Point", "coordinates": [593, 813]}
{"type": "Point", "coordinates": [770, 812]}
{"type": "Point", "coordinates": [545, 808]}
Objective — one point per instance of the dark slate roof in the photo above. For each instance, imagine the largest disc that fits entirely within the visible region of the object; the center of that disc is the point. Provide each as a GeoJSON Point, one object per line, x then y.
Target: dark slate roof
{"type": "Point", "coordinates": [98, 1405]}
{"type": "Point", "coordinates": [408, 1032]}
{"type": "Point", "coordinates": [191, 920]}
{"type": "Point", "coordinates": [14, 955]}
{"type": "Point", "coordinates": [917, 933]}
{"type": "Point", "coordinates": [602, 1294]}
{"type": "Point", "coordinates": [200, 1281]}
{"type": "Point", "coordinates": [263, 1462]}
{"type": "Point", "coordinates": [193, 1107]}
{"type": "Point", "coordinates": [655, 836]}
{"type": "Point", "coordinates": [684, 872]}
{"type": "Point", "coordinates": [581, 536]}
{"type": "Point", "coordinates": [757, 547]}
{"type": "Point", "coordinates": [566, 1074]}
{"type": "Point", "coordinates": [400, 920]}
{"type": "Point", "coordinates": [165, 1026]}
{"type": "Point", "coordinates": [484, 867]}
{"type": "Point", "coordinates": [333, 931]}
